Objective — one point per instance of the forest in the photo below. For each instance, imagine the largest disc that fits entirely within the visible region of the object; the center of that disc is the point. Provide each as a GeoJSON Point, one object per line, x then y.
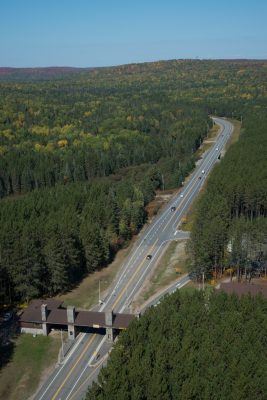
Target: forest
{"type": "Point", "coordinates": [230, 228]}
{"type": "Point", "coordinates": [191, 346]}
{"type": "Point", "coordinates": [82, 152]}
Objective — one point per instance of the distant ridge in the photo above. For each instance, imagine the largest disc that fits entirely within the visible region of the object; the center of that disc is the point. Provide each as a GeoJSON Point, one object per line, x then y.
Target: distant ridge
{"type": "Point", "coordinates": [7, 70]}
{"type": "Point", "coordinates": [39, 73]}
{"type": "Point", "coordinates": [59, 72]}
{"type": "Point", "coordinates": [62, 69]}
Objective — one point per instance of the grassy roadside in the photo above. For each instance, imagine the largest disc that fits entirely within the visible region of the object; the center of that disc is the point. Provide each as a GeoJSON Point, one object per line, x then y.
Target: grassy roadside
{"type": "Point", "coordinates": [165, 271]}
{"type": "Point", "coordinates": [208, 142]}
{"type": "Point", "coordinates": [32, 359]}
{"type": "Point", "coordinates": [236, 133]}
{"type": "Point", "coordinates": [86, 294]}
{"type": "Point", "coordinates": [191, 287]}
{"type": "Point", "coordinates": [170, 266]}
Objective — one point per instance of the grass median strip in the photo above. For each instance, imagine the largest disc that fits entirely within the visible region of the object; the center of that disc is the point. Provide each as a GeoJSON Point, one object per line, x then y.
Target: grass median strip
{"type": "Point", "coordinates": [171, 265]}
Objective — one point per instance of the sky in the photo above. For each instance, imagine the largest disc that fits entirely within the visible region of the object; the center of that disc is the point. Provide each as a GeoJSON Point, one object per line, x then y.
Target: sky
{"type": "Point", "coordinates": [87, 33]}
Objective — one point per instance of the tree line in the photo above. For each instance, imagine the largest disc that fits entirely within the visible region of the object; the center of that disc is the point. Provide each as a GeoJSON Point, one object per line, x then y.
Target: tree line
{"type": "Point", "coordinates": [191, 346]}
{"type": "Point", "coordinates": [53, 237]}
{"type": "Point", "coordinates": [230, 229]}
{"type": "Point", "coordinates": [70, 135]}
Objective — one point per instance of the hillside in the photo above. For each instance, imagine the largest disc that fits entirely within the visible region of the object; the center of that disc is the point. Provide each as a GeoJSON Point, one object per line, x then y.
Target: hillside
{"type": "Point", "coordinates": [72, 146]}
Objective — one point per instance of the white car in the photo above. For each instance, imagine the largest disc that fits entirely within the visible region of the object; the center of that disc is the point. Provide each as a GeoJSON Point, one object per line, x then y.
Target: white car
{"type": "Point", "coordinates": [217, 148]}
{"type": "Point", "coordinates": [181, 195]}
{"type": "Point", "coordinates": [203, 172]}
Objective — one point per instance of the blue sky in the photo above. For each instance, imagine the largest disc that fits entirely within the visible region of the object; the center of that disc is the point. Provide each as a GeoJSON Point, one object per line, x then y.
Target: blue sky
{"type": "Point", "coordinates": [97, 33]}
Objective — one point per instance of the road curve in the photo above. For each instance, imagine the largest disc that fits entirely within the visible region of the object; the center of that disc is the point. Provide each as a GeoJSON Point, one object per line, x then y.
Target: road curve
{"type": "Point", "coordinates": [70, 380]}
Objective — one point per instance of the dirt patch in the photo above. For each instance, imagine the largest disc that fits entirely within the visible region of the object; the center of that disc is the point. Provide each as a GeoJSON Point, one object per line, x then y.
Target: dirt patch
{"type": "Point", "coordinates": [161, 198]}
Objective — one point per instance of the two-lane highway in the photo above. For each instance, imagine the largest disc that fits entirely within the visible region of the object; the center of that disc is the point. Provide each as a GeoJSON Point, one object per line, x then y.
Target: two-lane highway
{"type": "Point", "coordinates": [70, 380]}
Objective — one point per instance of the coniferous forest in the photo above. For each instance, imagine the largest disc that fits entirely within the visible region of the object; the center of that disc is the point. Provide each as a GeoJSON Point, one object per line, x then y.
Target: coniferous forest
{"type": "Point", "coordinates": [230, 229]}
{"type": "Point", "coordinates": [191, 346]}
{"type": "Point", "coordinates": [82, 153]}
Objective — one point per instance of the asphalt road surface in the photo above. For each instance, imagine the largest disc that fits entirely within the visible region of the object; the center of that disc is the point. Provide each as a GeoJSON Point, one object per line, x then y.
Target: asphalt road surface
{"type": "Point", "coordinates": [70, 380]}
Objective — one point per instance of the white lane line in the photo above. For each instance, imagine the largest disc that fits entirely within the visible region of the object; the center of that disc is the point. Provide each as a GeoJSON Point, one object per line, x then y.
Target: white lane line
{"type": "Point", "coordinates": [53, 380]}
{"type": "Point", "coordinates": [89, 362]}
{"type": "Point", "coordinates": [144, 273]}
{"type": "Point", "coordinates": [208, 168]}
{"type": "Point", "coordinates": [209, 162]}
{"type": "Point", "coordinates": [165, 213]}
{"type": "Point", "coordinates": [123, 275]}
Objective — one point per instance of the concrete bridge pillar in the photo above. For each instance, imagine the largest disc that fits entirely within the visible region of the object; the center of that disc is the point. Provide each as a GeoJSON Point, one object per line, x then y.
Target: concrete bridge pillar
{"type": "Point", "coordinates": [70, 320]}
{"type": "Point", "coordinates": [108, 323]}
{"type": "Point", "coordinates": [44, 319]}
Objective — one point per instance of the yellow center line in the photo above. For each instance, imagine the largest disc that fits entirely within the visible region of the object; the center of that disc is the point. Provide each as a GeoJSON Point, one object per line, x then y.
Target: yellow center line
{"type": "Point", "coordinates": [113, 306]}
{"type": "Point", "coordinates": [88, 377]}
{"type": "Point", "coordinates": [74, 366]}
{"type": "Point", "coordinates": [133, 276]}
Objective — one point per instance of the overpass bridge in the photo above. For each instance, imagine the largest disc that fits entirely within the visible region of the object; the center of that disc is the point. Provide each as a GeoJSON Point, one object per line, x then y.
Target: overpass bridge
{"type": "Point", "coordinates": [41, 316]}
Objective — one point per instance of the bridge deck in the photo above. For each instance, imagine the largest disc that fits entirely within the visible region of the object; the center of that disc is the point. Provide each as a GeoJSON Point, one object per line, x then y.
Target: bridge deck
{"type": "Point", "coordinates": [57, 315]}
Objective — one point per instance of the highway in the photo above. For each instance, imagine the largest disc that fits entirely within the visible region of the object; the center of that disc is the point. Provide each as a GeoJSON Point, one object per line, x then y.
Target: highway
{"type": "Point", "coordinates": [70, 380]}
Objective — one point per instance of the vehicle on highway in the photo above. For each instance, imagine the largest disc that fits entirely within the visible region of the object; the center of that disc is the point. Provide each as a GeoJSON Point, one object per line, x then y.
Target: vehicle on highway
{"type": "Point", "coordinates": [8, 316]}
{"type": "Point", "coordinates": [199, 178]}
{"type": "Point", "coordinates": [148, 257]}
{"type": "Point", "coordinates": [203, 172]}
{"type": "Point", "coordinates": [181, 195]}
{"type": "Point", "coordinates": [217, 148]}
{"type": "Point", "coordinates": [173, 208]}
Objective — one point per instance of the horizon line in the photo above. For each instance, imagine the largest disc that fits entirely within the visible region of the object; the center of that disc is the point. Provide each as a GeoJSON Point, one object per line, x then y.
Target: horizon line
{"type": "Point", "coordinates": [136, 63]}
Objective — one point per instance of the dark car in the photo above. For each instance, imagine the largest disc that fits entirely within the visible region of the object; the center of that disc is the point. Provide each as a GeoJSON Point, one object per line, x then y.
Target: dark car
{"type": "Point", "coordinates": [173, 209]}
{"type": "Point", "coordinates": [148, 257]}
{"type": "Point", "coordinates": [8, 316]}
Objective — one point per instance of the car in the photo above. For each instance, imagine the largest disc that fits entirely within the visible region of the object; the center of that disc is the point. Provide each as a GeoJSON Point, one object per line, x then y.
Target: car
{"type": "Point", "coordinates": [148, 257]}
{"type": "Point", "coordinates": [199, 178]}
{"type": "Point", "coordinates": [217, 148]}
{"type": "Point", "coordinates": [173, 209]}
{"type": "Point", "coordinates": [8, 316]}
{"type": "Point", "coordinates": [203, 171]}
{"type": "Point", "coordinates": [181, 195]}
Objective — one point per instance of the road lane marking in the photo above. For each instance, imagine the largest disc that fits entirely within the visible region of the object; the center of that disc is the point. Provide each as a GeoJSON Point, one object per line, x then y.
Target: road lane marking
{"type": "Point", "coordinates": [88, 377]}
{"type": "Point", "coordinates": [87, 365]}
{"type": "Point", "coordinates": [145, 270]}
{"type": "Point", "coordinates": [181, 204]}
{"type": "Point", "coordinates": [132, 277]}
{"type": "Point", "coordinates": [165, 212]}
{"type": "Point", "coordinates": [197, 185]}
{"type": "Point", "coordinates": [74, 366]}
{"type": "Point", "coordinates": [65, 361]}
